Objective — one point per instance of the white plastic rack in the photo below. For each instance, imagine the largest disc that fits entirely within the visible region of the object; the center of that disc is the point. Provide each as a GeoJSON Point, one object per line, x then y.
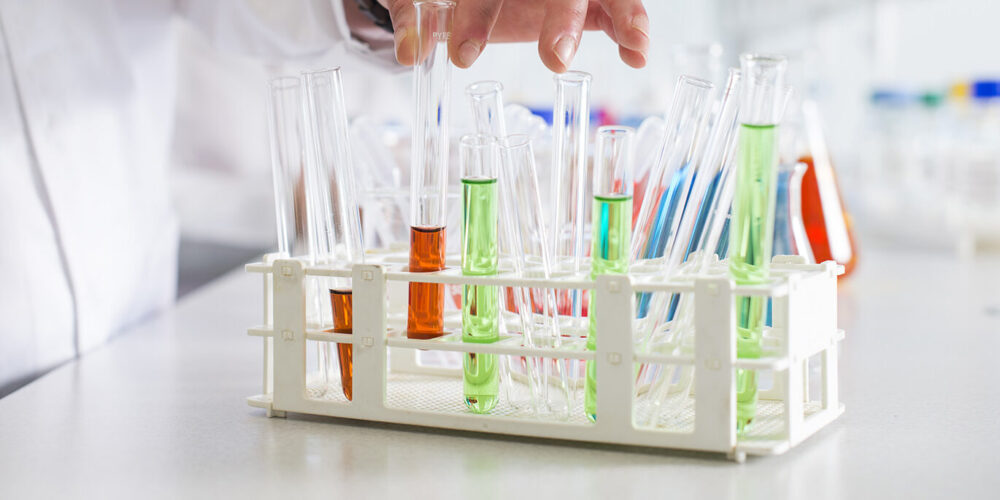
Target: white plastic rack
{"type": "Point", "coordinates": [391, 385]}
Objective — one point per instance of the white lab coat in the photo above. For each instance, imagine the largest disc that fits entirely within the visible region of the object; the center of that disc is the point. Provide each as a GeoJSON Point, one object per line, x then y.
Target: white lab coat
{"type": "Point", "coordinates": [88, 238]}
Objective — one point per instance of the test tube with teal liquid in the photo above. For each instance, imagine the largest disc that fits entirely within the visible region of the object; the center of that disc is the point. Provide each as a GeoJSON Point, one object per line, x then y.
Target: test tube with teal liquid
{"type": "Point", "coordinates": [612, 227]}
{"type": "Point", "coordinates": [480, 304]}
{"type": "Point", "coordinates": [751, 229]}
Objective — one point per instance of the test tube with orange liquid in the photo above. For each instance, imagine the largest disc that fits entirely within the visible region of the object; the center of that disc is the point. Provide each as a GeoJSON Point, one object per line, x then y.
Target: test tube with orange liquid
{"type": "Point", "coordinates": [429, 166]}
{"type": "Point", "coordinates": [335, 200]}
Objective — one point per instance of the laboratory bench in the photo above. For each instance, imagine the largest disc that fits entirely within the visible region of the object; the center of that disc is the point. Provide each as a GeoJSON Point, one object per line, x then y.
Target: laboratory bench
{"type": "Point", "coordinates": [161, 412]}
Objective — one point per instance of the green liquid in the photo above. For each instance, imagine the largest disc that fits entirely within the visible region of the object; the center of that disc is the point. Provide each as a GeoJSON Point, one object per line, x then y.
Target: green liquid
{"type": "Point", "coordinates": [751, 235]}
{"type": "Point", "coordinates": [612, 241]}
{"type": "Point", "coordinates": [480, 304]}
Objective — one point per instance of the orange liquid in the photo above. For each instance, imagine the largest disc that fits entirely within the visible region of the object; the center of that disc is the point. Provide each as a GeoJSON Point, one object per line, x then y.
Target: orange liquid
{"type": "Point", "coordinates": [815, 221]}
{"type": "Point", "coordinates": [343, 322]}
{"type": "Point", "coordinates": [510, 300]}
{"type": "Point", "coordinates": [425, 314]}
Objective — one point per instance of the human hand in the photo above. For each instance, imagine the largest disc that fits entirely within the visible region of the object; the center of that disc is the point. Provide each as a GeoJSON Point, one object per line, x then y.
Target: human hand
{"type": "Point", "coordinates": [556, 24]}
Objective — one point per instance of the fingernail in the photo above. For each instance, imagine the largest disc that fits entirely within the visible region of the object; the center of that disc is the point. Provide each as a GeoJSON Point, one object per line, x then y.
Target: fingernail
{"type": "Point", "coordinates": [406, 52]}
{"type": "Point", "coordinates": [468, 52]}
{"type": "Point", "coordinates": [564, 50]}
{"type": "Point", "coordinates": [640, 23]}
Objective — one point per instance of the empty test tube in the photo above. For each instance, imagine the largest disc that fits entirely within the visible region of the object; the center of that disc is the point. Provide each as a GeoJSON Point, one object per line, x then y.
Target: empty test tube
{"type": "Point", "coordinates": [298, 234]}
{"type": "Point", "coordinates": [669, 180]}
{"type": "Point", "coordinates": [670, 386]}
{"type": "Point", "coordinates": [570, 129]}
{"type": "Point", "coordinates": [523, 226]}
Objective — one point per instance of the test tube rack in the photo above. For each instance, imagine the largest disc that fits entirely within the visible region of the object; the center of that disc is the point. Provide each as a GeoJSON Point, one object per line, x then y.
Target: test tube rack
{"type": "Point", "coordinates": [391, 385]}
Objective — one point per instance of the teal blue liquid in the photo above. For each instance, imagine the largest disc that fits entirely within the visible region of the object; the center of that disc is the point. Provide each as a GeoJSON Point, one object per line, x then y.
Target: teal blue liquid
{"type": "Point", "coordinates": [612, 238]}
{"type": "Point", "coordinates": [668, 208]}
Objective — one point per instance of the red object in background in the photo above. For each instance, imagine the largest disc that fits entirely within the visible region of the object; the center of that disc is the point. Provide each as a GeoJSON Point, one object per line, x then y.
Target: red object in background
{"type": "Point", "coordinates": [830, 240]}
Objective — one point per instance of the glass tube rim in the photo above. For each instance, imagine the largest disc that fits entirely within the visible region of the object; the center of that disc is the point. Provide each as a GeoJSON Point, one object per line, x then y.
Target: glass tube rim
{"type": "Point", "coordinates": [763, 59]}
{"type": "Point", "coordinates": [313, 72]}
{"type": "Point", "coordinates": [513, 142]}
{"type": "Point", "coordinates": [435, 3]}
{"type": "Point", "coordinates": [694, 81]}
{"type": "Point", "coordinates": [285, 82]}
{"type": "Point", "coordinates": [476, 140]}
{"type": "Point", "coordinates": [483, 88]}
{"type": "Point", "coordinates": [574, 77]}
{"type": "Point", "coordinates": [615, 129]}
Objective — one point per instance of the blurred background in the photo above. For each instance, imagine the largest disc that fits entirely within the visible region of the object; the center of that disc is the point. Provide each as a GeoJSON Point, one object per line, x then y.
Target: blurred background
{"type": "Point", "coordinates": [903, 92]}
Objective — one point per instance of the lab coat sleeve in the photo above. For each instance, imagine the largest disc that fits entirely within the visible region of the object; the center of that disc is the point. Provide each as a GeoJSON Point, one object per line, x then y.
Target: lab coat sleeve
{"type": "Point", "coordinates": [269, 29]}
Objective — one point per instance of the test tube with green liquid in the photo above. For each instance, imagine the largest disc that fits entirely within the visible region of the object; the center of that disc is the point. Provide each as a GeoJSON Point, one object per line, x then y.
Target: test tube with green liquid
{"type": "Point", "coordinates": [752, 222]}
{"type": "Point", "coordinates": [612, 226]}
{"type": "Point", "coordinates": [480, 304]}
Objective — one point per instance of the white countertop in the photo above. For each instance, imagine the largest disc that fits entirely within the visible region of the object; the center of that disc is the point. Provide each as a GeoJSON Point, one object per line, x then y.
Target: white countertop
{"type": "Point", "coordinates": [160, 412]}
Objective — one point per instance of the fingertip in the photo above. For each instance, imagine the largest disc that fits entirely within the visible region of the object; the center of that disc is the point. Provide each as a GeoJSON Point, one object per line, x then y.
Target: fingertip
{"type": "Point", "coordinates": [633, 58]}
{"type": "Point", "coordinates": [559, 55]}
{"type": "Point", "coordinates": [466, 53]}
{"type": "Point", "coordinates": [635, 34]}
{"type": "Point", "coordinates": [406, 49]}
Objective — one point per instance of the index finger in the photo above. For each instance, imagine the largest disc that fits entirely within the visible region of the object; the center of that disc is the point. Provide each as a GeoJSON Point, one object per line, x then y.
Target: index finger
{"type": "Point", "coordinates": [631, 24]}
{"type": "Point", "coordinates": [404, 27]}
{"type": "Point", "coordinates": [560, 35]}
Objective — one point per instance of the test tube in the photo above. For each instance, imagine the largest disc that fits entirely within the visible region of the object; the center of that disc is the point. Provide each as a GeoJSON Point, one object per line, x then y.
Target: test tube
{"type": "Point", "coordinates": [490, 117]}
{"type": "Point", "coordinates": [486, 99]}
{"type": "Point", "coordinates": [612, 228]}
{"type": "Point", "coordinates": [648, 140]}
{"type": "Point", "coordinates": [669, 387]}
{"type": "Point", "coordinates": [721, 142]}
{"type": "Point", "coordinates": [429, 166]}
{"type": "Point", "coordinates": [480, 304]}
{"type": "Point", "coordinates": [667, 188]}
{"type": "Point", "coordinates": [716, 233]}
{"type": "Point", "coordinates": [382, 193]}
{"type": "Point", "coordinates": [571, 127]}
{"type": "Point", "coordinates": [752, 231]}
{"type": "Point", "coordinates": [288, 166]}
{"type": "Point", "coordinates": [294, 215]}
{"type": "Point", "coordinates": [337, 200]}
{"type": "Point", "coordinates": [488, 113]}
{"type": "Point", "coordinates": [523, 227]}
